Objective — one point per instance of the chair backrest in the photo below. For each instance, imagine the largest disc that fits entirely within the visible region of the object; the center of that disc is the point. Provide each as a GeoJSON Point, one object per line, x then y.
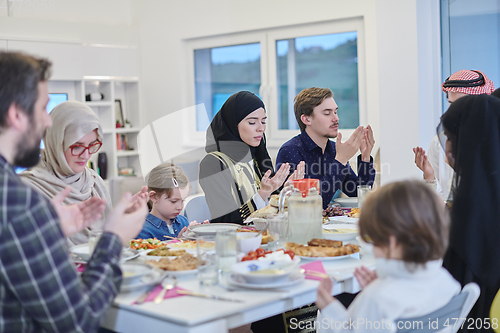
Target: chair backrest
{"type": "Point", "coordinates": [447, 317]}
{"type": "Point", "coordinates": [196, 208]}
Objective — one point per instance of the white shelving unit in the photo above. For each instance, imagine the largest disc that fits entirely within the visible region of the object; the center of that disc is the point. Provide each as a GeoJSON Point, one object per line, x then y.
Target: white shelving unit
{"type": "Point", "coordinates": [127, 91]}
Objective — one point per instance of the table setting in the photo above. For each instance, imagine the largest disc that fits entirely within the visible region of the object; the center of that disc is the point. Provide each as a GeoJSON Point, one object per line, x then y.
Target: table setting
{"type": "Point", "coordinates": [237, 280]}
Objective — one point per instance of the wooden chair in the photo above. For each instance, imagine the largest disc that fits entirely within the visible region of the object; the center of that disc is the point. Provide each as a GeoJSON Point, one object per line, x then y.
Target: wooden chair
{"type": "Point", "coordinates": [450, 316]}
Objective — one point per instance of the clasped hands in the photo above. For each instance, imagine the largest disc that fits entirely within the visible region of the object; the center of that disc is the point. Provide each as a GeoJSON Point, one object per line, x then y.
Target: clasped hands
{"type": "Point", "coordinates": [269, 185]}
{"type": "Point", "coordinates": [362, 139]}
{"type": "Point", "coordinates": [125, 220]}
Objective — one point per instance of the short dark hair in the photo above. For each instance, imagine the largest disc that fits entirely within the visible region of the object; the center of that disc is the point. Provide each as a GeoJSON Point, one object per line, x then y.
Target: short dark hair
{"type": "Point", "coordinates": [19, 78]}
{"type": "Point", "coordinates": [413, 214]}
{"type": "Point", "coordinates": [307, 100]}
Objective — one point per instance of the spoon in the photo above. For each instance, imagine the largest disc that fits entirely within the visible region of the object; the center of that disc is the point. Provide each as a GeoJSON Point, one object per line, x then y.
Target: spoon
{"type": "Point", "coordinates": [169, 283]}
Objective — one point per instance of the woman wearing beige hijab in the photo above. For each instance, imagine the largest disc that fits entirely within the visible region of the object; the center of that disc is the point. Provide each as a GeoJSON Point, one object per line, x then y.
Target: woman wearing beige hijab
{"type": "Point", "coordinates": [75, 135]}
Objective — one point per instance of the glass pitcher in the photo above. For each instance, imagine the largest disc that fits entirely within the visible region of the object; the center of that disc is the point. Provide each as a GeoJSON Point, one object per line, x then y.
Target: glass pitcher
{"type": "Point", "coordinates": [305, 210]}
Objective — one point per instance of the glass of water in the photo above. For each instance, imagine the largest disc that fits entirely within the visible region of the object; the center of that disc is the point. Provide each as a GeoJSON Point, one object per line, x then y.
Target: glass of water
{"type": "Point", "coordinates": [226, 249]}
{"type": "Point", "coordinates": [363, 191]}
{"type": "Point", "coordinates": [208, 271]}
{"type": "Point", "coordinates": [278, 230]}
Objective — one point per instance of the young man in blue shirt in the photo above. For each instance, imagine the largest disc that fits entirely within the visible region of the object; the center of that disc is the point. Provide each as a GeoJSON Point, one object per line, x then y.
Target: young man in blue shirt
{"type": "Point", "coordinates": [316, 113]}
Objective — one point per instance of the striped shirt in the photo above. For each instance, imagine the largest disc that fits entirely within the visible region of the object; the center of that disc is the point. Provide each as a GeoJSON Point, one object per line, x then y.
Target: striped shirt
{"type": "Point", "coordinates": [40, 289]}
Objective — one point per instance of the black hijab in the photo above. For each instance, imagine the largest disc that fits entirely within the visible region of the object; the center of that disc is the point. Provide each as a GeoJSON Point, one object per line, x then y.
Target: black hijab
{"type": "Point", "coordinates": [223, 135]}
{"type": "Point", "coordinates": [472, 124]}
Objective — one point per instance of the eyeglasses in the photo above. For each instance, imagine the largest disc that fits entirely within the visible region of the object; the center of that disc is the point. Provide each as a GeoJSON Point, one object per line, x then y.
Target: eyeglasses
{"type": "Point", "coordinates": [77, 150]}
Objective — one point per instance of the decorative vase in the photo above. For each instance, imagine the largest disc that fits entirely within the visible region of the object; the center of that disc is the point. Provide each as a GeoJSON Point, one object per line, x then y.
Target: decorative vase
{"type": "Point", "coordinates": [102, 165]}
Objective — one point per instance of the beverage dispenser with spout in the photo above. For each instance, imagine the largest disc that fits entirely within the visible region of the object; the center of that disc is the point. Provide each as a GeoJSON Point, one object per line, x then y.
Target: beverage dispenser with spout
{"type": "Point", "coordinates": [305, 210]}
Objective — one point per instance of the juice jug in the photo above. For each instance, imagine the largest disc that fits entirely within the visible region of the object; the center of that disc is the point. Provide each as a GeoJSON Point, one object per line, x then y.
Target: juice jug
{"type": "Point", "coordinates": [305, 210]}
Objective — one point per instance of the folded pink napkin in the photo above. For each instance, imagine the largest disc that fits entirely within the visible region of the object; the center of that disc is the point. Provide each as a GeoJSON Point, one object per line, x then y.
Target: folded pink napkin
{"type": "Point", "coordinates": [315, 266]}
{"type": "Point", "coordinates": [169, 294]}
{"type": "Point", "coordinates": [80, 267]}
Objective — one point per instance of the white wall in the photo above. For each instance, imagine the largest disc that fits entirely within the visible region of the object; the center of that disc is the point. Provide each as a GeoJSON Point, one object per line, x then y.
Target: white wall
{"type": "Point", "coordinates": [91, 21]}
{"type": "Point", "coordinates": [401, 68]}
{"type": "Point", "coordinates": [401, 46]}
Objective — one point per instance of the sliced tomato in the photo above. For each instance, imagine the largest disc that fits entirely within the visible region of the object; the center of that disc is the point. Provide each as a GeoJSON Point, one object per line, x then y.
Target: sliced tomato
{"type": "Point", "coordinates": [290, 253]}
{"type": "Point", "coordinates": [260, 251]}
{"type": "Point", "coordinates": [246, 258]}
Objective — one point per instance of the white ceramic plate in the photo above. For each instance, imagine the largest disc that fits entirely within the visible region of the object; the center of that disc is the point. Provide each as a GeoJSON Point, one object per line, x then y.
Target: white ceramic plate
{"type": "Point", "coordinates": [134, 272]}
{"type": "Point", "coordinates": [282, 269]}
{"type": "Point", "coordinates": [340, 236]}
{"type": "Point", "coordinates": [83, 252]}
{"type": "Point", "coordinates": [354, 255]}
{"type": "Point", "coordinates": [292, 280]}
{"type": "Point", "coordinates": [146, 257]}
{"type": "Point", "coordinates": [343, 219]}
{"type": "Point", "coordinates": [347, 202]}
{"type": "Point", "coordinates": [212, 228]}
{"type": "Point", "coordinates": [182, 273]}
{"type": "Point", "coordinates": [154, 277]}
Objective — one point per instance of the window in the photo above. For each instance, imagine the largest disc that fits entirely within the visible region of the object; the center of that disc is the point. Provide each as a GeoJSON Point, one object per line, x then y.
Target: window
{"type": "Point", "coordinates": [327, 61]}
{"type": "Point", "coordinates": [222, 71]}
{"type": "Point", "coordinates": [277, 64]}
{"type": "Point", "coordinates": [470, 38]}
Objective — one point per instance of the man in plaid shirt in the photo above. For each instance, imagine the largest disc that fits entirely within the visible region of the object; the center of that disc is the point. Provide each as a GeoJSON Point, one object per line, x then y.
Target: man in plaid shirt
{"type": "Point", "coordinates": [40, 289]}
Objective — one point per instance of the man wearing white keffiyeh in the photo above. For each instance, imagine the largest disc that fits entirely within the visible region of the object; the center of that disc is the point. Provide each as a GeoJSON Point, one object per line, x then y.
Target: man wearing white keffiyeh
{"type": "Point", "coordinates": [72, 121]}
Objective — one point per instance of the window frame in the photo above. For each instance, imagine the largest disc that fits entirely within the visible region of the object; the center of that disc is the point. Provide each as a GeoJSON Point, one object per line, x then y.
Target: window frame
{"type": "Point", "coordinates": [268, 89]}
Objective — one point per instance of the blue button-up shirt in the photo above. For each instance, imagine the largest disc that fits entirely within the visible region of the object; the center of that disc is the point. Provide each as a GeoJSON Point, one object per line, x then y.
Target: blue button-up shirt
{"type": "Point", "coordinates": [323, 166]}
{"type": "Point", "coordinates": [155, 227]}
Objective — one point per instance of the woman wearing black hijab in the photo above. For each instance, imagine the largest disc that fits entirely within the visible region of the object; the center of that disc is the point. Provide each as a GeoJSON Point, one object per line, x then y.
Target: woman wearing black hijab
{"type": "Point", "coordinates": [471, 136]}
{"type": "Point", "coordinates": [236, 172]}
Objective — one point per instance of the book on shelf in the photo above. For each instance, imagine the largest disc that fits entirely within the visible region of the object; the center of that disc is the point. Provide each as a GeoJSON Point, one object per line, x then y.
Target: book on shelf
{"type": "Point", "coordinates": [121, 142]}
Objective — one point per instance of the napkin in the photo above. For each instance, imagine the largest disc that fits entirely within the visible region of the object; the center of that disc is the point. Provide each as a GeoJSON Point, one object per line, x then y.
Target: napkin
{"type": "Point", "coordinates": [80, 268]}
{"type": "Point", "coordinates": [315, 266]}
{"type": "Point", "coordinates": [169, 294]}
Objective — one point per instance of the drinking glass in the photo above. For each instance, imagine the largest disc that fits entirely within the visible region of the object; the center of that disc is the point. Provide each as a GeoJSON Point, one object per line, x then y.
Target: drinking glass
{"type": "Point", "coordinates": [363, 191]}
{"type": "Point", "coordinates": [208, 272]}
{"type": "Point", "coordinates": [225, 249]}
{"type": "Point", "coordinates": [94, 237]}
{"type": "Point", "coordinates": [278, 230]}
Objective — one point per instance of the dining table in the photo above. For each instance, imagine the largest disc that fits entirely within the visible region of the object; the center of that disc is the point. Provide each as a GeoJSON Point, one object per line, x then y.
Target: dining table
{"type": "Point", "coordinates": [199, 315]}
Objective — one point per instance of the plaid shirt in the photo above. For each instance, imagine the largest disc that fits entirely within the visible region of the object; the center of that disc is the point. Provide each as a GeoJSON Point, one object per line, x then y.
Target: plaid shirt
{"type": "Point", "coordinates": [40, 289]}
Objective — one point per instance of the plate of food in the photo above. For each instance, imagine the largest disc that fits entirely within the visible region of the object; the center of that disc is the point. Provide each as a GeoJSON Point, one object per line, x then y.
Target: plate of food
{"type": "Point", "coordinates": [185, 264]}
{"type": "Point", "coordinates": [340, 232]}
{"type": "Point", "coordinates": [145, 244]}
{"type": "Point", "coordinates": [163, 252]}
{"type": "Point", "coordinates": [212, 228]}
{"type": "Point", "coordinates": [323, 249]}
{"type": "Point", "coordinates": [291, 280]}
{"type": "Point", "coordinates": [154, 277]}
{"type": "Point", "coordinates": [83, 252]}
{"type": "Point", "coordinates": [191, 244]}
